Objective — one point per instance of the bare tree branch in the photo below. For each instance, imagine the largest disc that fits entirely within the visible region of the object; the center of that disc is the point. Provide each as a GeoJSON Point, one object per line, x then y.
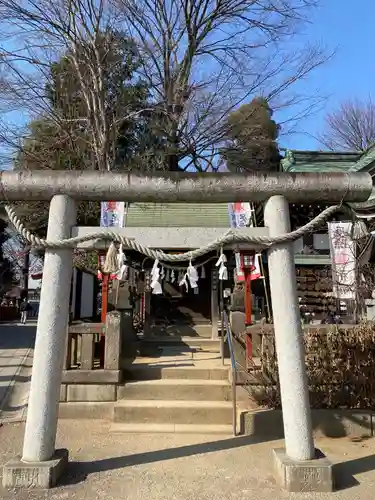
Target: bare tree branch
{"type": "Point", "coordinates": [83, 32]}
{"type": "Point", "coordinates": [351, 127]}
{"type": "Point", "coordinates": [204, 58]}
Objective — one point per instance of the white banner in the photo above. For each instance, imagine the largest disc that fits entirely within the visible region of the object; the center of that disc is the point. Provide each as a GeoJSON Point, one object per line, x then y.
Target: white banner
{"type": "Point", "coordinates": [112, 213]}
{"type": "Point", "coordinates": [239, 214]}
{"type": "Point", "coordinates": [343, 260]}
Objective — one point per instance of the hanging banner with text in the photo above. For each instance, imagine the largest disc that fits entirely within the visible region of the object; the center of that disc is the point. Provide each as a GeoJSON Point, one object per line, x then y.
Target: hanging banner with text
{"type": "Point", "coordinates": [112, 214]}
{"type": "Point", "coordinates": [239, 216]}
{"type": "Point", "coordinates": [343, 260]}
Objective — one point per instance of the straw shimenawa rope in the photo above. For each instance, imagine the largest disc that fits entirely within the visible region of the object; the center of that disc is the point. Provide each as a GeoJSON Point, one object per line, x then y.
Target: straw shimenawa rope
{"type": "Point", "coordinates": [227, 238]}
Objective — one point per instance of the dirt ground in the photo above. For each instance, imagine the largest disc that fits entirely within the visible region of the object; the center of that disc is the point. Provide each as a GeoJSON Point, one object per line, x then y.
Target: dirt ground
{"type": "Point", "coordinates": [107, 466]}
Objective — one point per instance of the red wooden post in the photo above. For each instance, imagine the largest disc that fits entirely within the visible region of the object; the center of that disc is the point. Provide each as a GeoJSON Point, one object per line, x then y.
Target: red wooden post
{"type": "Point", "coordinates": [248, 304]}
{"type": "Point", "coordinates": [247, 264]}
{"type": "Point", "coordinates": [105, 282]}
{"type": "Point", "coordinates": [248, 317]}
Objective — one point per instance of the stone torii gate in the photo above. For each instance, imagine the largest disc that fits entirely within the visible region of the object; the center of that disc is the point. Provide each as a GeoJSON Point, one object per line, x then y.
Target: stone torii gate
{"type": "Point", "coordinates": [299, 467]}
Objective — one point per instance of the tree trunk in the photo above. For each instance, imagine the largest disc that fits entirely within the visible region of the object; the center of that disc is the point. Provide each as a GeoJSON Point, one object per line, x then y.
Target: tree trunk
{"type": "Point", "coordinates": [173, 163]}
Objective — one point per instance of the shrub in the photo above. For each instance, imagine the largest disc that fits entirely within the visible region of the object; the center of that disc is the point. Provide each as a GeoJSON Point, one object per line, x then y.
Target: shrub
{"type": "Point", "coordinates": [340, 364]}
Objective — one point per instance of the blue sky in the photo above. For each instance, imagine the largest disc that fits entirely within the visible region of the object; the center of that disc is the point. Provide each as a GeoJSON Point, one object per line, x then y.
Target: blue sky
{"type": "Point", "coordinates": [348, 27]}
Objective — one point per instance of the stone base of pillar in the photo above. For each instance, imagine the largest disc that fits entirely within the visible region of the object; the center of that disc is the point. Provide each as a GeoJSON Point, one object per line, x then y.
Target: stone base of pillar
{"type": "Point", "coordinates": [35, 475]}
{"type": "Point", "coordinates": [303, 476]}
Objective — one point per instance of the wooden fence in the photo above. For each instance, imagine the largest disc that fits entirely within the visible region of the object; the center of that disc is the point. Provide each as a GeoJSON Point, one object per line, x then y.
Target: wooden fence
{"type": "Point", "coordinates": [83, 346]}
{"type": "Point", "coordinates": [83, 350]}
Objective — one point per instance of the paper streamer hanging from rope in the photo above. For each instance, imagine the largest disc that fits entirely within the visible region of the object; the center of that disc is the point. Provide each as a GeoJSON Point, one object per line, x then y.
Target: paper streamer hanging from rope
{"type": "Point", "coordinates": [192, 274]}
{"type": "Point", "coordinates": [155, 283]}
{"type": "Point", "coordinates": [122, 272]}
{"type": "Point", "coordinates": [184, 281]}
{"type": "Point", "coordinates": [256, 272]}
{"type": "Point", "coordinates": [221, 264]}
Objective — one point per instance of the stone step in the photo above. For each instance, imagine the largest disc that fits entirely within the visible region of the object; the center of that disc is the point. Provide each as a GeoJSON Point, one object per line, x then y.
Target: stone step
{"type": "Point", "coordinates": [177, 389]}
{"type": "Point", "coordinates": [173, 412]}
{"type": "Point", "coordinates": [195, 329]}
{"type": "Point", "coordinates": [184, 343]}
{"type": "Point", "coordinates": [141, 371]}
{"type": "Point", "coordinates": [172, 428]}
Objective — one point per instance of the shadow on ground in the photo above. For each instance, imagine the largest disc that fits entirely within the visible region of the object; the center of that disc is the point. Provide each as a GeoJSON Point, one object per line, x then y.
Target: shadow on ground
{"type": "Point", "coordinates": [78, 471]}
{"type": "Point", "coordinates": [344, 472]}
{"type": "Point", "coordinates": [16, 337]}
{"type": "Point", "coordinates": [16, 378]}
{"type": "Point", "coordinates": [332, 424]}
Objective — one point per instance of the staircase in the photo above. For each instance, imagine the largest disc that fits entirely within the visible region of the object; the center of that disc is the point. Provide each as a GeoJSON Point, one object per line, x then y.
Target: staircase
{"type": "Point", "coordinates": [175, 385]}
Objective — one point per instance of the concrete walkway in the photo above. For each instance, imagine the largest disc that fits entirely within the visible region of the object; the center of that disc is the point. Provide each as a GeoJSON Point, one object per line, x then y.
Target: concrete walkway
{"type": "Point", "coordinates": [16, 351]}
{"type": "Point", "coordinates": [105, 466]}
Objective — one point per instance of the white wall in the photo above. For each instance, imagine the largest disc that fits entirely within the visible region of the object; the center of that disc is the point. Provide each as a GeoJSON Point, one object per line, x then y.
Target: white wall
{"type": "Point", "coordinates": [321, 241]}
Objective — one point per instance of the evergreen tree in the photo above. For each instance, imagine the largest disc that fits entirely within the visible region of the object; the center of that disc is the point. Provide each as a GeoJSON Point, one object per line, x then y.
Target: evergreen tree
{"type": "Point", "coordinates": [251, 138]}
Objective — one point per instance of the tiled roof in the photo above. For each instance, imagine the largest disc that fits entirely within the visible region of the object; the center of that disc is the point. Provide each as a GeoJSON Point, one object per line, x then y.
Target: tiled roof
{"type": "Point", "coordinates": [366, 161]}
{"type": "Point", "coordinates": [328, 161]}
{"type": "Point", "coordinates": [178, 215]}
{"type": "Point", "coordinates": [319, 161]}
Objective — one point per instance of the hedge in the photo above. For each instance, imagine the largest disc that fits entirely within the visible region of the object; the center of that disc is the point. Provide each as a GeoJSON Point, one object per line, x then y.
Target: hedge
{"type": "Point", "coordinates": [340, 364]}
